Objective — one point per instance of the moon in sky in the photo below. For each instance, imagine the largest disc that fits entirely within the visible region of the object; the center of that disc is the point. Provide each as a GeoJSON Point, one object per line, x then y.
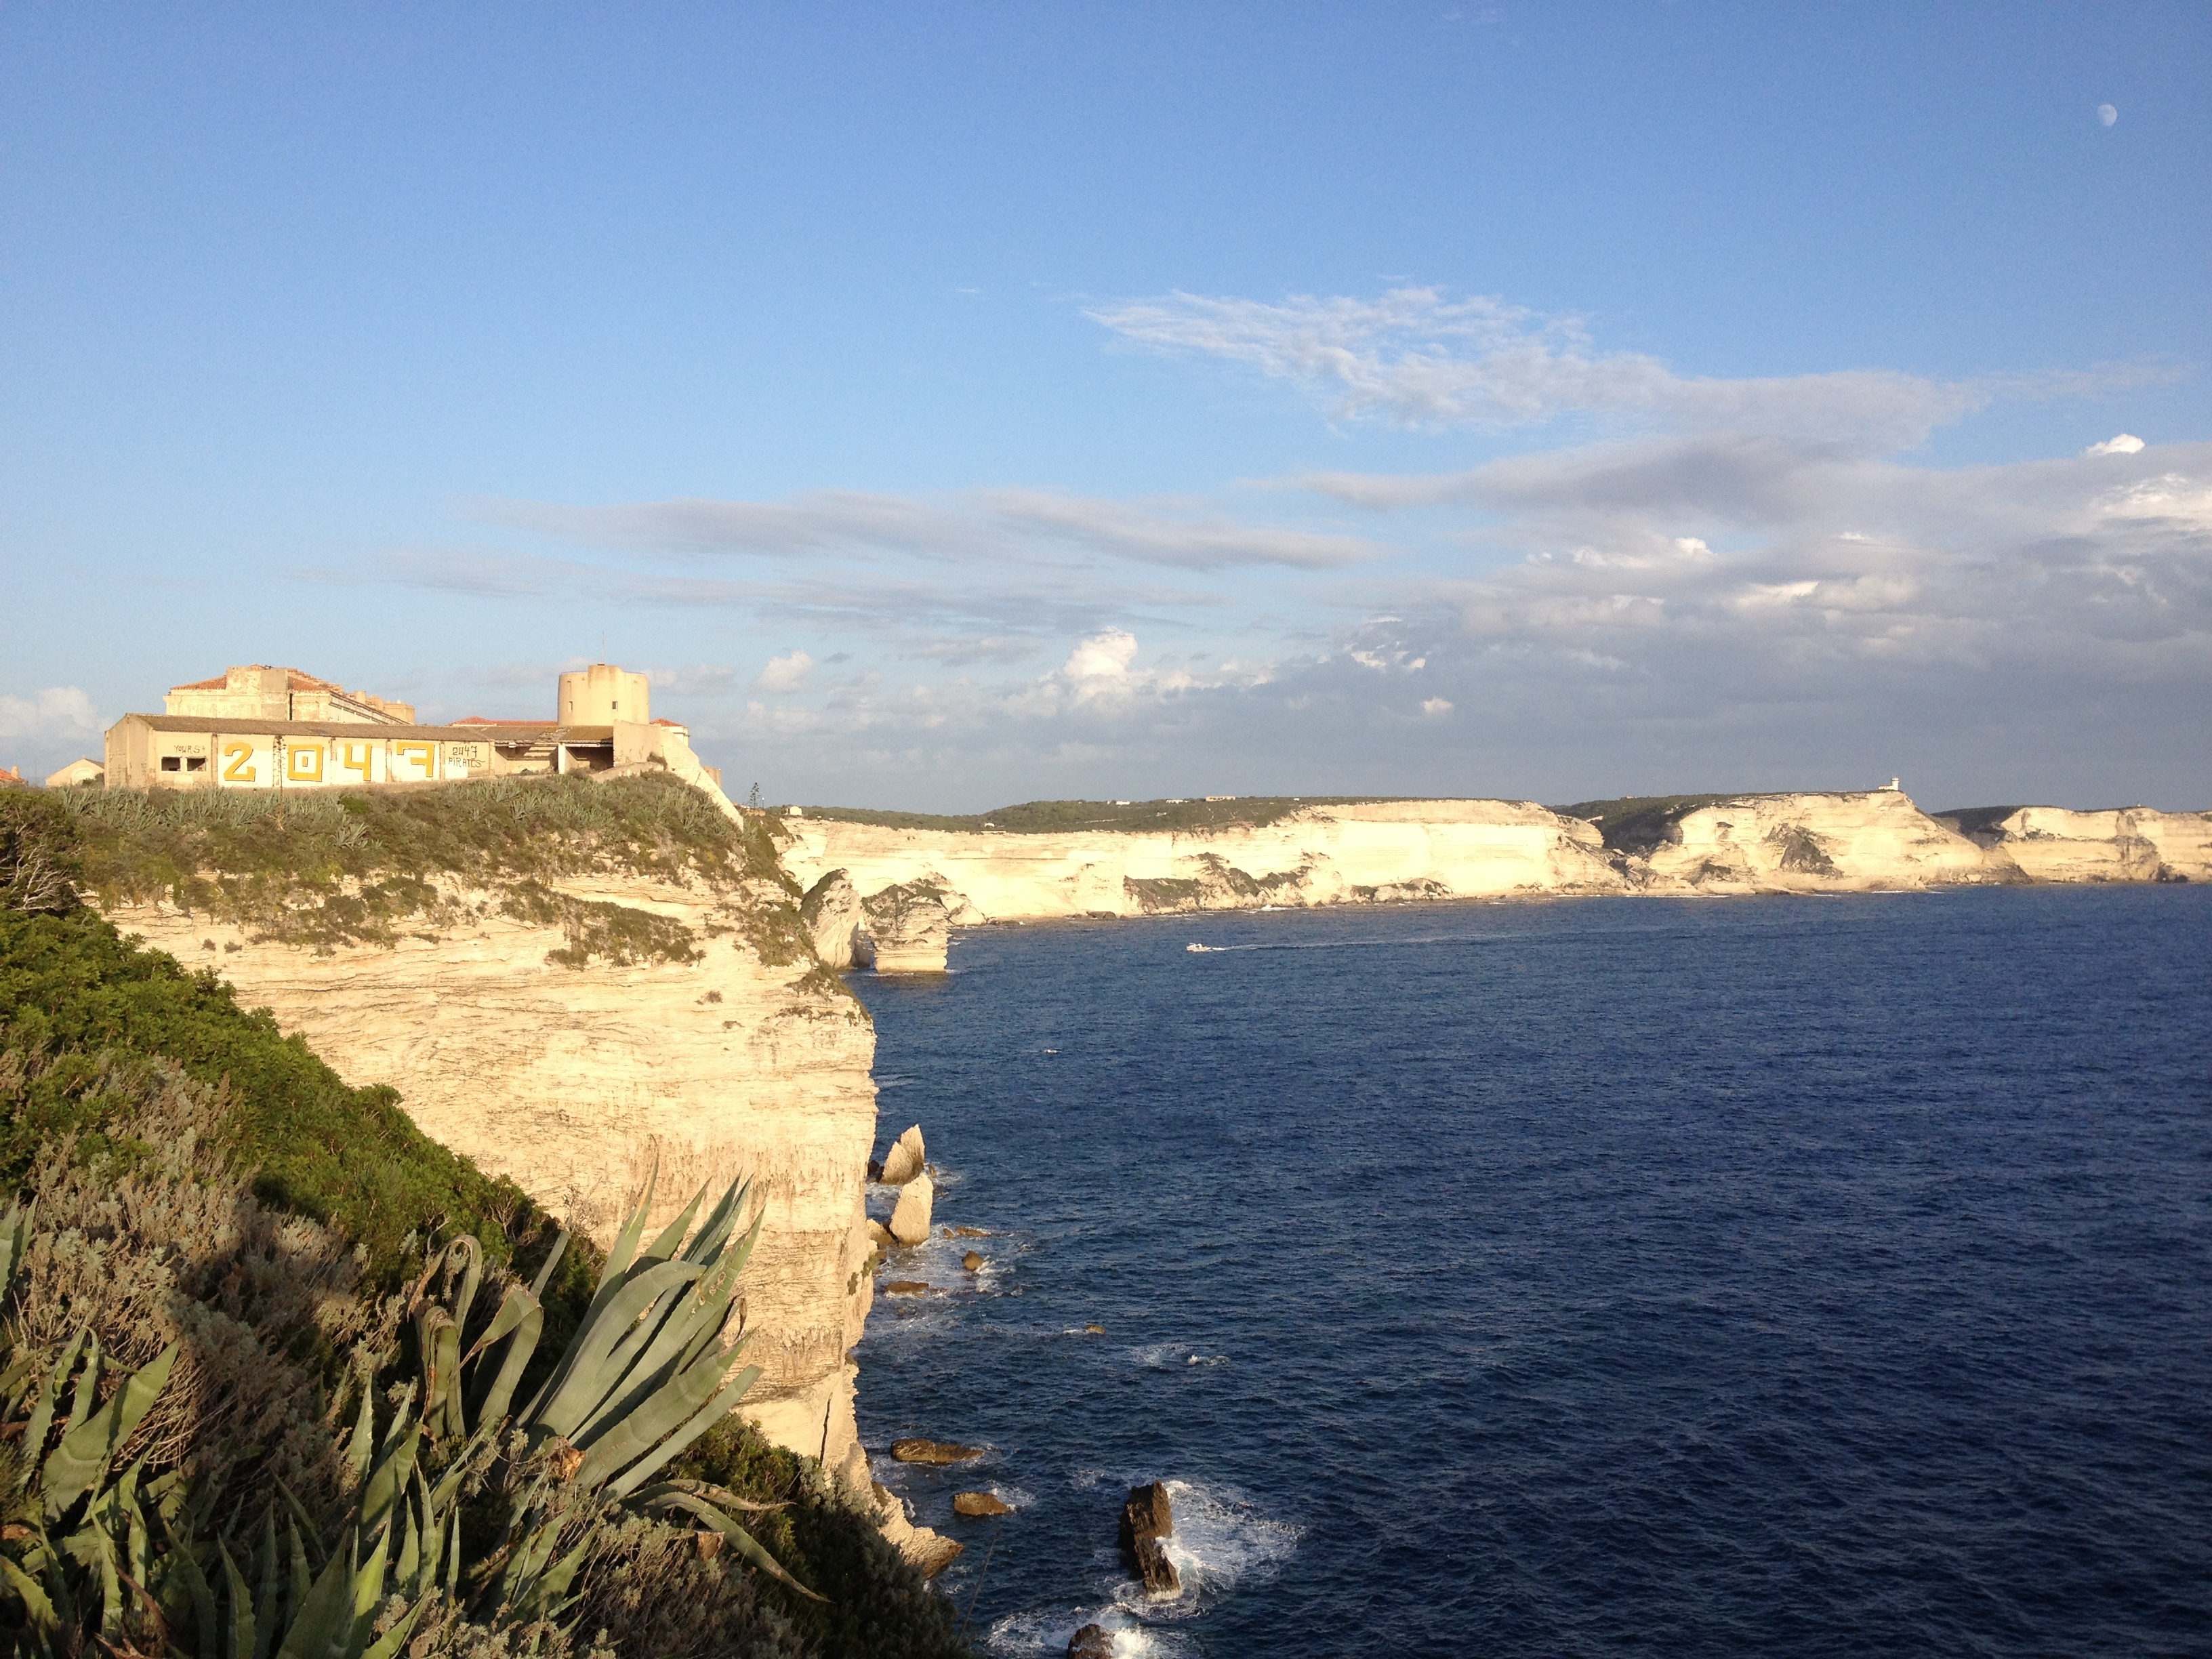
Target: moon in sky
{"type": "Point", "coordinates": [2107, 114]}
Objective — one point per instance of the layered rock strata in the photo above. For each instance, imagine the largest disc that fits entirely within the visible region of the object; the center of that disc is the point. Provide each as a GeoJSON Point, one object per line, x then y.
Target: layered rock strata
{"type": "Point", "coordinates": [579, 1083]}
{"type": "Point", "coordinates": [909, 929]}
{"type": "Point", "coordinates": [1859, 840]}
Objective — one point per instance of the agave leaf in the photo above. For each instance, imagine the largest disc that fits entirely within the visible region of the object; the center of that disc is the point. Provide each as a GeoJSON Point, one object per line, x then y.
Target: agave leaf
{"type": "Point", "coordinates": [707, 1415]}
{"type": "Point", "coordinates": [367, 1591]}
{"type": "Point", "coordinates": [237, 1635]}
{"type": "Point", "coordinates": [441, 1382]}
{"type": "Point", "coordinates": [741, 1540]}
{"type": "Point", "coordinates": [627, 1438]}
{"type": "Point", "coordinates": [37, 1606]}
{"type": "Point", "coordinates": [450, 1482]}
{"type": "Point", "coordinates": [42, 1414]}
{"type": "Point", "coordinates": [88, 1383]}
{"type": "Point", "coordinates": [664, 1242]}
{"type": "Point", "coordinates": [587, 1381]}
{"type": "Point", "coordinates": [268, 1624]}
{"type": "Point", "coordinates": [390, 1479]}
{"type": "Point", "coordinates": [387, 1646]}
{"type": "Point", "coordinates": [513, 1308]}
{"type": "Point", "coordinates": [186, 1567]}
{"type": "Point", "coordinates": [718, 1224]}
{"type": "Point", "coordinates": [639, 1360]}
{"type": "Point", "coordinates": [302, 1582]}
{"type": "Point", "coordinates": [522, 1567]}
{"type": "Point", "coordinates": [542, 1597]}
{"type": "Point", "coordinates": [529, 1325]}
{"type": "Point", "coordinates": [552, 1261]}
{"type": "Point", "coordinates": [306, 1528]}
{"type": "Point", "coordinates": [471, 1255]}
{"type": "Point", "coordinates": [720, 1496]}
{"type": "Point", "coordinates": [76, 1463]}
{"type": "Point", "coordinates": [684, 1337]}
{"type": "Point", "coordinates": [324, 1615]}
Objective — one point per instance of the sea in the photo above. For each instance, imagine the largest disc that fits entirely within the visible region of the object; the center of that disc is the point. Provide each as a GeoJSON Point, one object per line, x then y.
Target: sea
{"type": "Point", "coordinates": [1777, 1276]}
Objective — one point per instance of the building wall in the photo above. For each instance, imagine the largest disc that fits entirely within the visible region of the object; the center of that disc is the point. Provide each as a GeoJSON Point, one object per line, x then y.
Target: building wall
{"type": "Point", "coordinates": [257, 691]}
{"type": "Point", "coordinates": [604, 695]}
{"type": "Point", "coordinates": [139, 756]}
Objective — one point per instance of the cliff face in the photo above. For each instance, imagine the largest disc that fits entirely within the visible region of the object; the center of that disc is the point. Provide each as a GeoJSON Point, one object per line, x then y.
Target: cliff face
{"type": "Point", "coordinates": [1864, 841]}
{"type": "Point", "coordinates": [1323, 855]}
{"type": "Point", "coordinates": [575, 1081]}
{"type": "Point", "coordinates": [2050, 843]}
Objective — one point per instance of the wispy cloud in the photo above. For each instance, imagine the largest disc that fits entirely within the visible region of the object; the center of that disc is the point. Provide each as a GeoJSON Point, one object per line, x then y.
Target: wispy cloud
{"type": "Point", "coordinates": [1002, 526]}
{"type": "Point", "coordinates": [1417, 357]}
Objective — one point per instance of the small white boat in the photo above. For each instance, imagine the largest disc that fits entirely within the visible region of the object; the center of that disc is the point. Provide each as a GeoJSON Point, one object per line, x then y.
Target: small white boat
{"type": "Point", "coordinates": [1198, 947]}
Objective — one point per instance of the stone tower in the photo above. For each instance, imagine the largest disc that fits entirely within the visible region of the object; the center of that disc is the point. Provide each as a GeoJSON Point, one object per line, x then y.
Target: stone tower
{"type": "Point", "coordinates": [604, 695]}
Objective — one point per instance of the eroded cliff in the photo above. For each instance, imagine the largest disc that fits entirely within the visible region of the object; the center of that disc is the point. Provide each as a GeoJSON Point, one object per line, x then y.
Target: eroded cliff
{"type": "Point", "coordinates": [1855, 841]}
{"type": "Point", "coordinates": [578, 984]}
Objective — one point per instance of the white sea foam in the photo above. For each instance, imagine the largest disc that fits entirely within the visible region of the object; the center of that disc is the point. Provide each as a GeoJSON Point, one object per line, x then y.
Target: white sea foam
{"type": "Point", "coordinates": [1048, 1632]}
{"type": "Point", "coordinates": [1221, 1539]}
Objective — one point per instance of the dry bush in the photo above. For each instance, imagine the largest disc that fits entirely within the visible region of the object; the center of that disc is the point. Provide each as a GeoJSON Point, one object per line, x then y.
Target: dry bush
{"type": "Point", "coordinates": [152, 1237]}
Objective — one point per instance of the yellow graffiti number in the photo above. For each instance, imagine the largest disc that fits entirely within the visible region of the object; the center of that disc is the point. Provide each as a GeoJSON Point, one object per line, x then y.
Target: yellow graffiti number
{"type": "Point", "coordinates": [355, 758]}
{"type": "Point", "coordinates": [424, 754]}
{"type": "Point", "coordinates": [304, 763]}
{"type": "Point", "coordinates": [240, 758]}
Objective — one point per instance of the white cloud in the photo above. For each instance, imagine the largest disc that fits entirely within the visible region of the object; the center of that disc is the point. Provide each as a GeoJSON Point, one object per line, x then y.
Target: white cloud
{"type": "Point", "coordinates": [2125, 444]}
{"type": "Point", "coordinates": [60, 714]}
{"type": "Point", "coordinates": [1434, 707]}
{"type": "Point", "coordinates": [785, 673]}
{"type": "Point", "coordinates": [1102, 657]}
{"type": "Point", "coordinates": [1416, 358]}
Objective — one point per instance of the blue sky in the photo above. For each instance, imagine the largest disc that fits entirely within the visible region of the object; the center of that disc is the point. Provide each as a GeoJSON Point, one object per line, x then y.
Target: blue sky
{"type": "Point", "coordinates": [958, 405]}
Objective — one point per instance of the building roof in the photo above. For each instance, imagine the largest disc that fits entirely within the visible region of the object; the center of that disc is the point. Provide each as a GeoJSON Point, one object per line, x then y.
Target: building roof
{"type": "Point", "coordinates": [294, 681]}
{"type": "Point", "coordinates": [506, 731]}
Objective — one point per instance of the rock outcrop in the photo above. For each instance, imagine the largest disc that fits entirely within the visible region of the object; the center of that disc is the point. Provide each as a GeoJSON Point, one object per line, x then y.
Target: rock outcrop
{"type": "Point", "coordinates": [933, 1452]}
{"type": "Point", "coordinates": [977, 1504]}
{"type": "Point", "coordinates": [831, 911]}
{"type": "Point", "coordinates": [1092, 1642]}
{"type": "Point", "coordinates": [905, 1159]}
{"type": "Point", "coordinates": [910, 1216]}
{"type": "Point", "coordinates": [908, 928]}
{"type": "Point", "coordinates": [1860, 841]}
{"type": "Point", "coordinates": [579, 1082]}
{"type": "Point", "coordinates": [1147, 1521]}
{"type": "Point", "coordinates": [2137, 844]}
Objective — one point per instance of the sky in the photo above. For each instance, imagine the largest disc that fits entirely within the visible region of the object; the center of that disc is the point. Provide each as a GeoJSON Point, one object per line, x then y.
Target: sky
{"type": "Point", "coordinates": [955, 405]}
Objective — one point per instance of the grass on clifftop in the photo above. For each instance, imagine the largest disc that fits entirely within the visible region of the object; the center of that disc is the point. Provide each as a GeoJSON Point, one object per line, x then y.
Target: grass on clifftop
{"type": "Point", "coordinates": [1044, 817]}
{"type": "Point", "coordinates": [361, 867]}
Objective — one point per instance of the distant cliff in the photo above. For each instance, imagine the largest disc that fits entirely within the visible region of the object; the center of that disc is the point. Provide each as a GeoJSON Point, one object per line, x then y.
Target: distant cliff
{"type": "Point", "coordinates": [1372, 851]}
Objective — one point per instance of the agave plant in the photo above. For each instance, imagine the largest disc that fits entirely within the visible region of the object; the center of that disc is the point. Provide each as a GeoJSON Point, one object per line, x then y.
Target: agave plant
{"type": "Point", "coordinates": [644, 1377]}
{"type": "Point", "coordinates": [135, 1562]}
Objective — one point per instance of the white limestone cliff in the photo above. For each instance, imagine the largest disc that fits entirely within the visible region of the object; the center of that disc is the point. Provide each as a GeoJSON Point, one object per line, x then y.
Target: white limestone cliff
{"type": "Point", "coordinates": [576, 1083]}
{"type": "Point", "coordinates": [2051, 843]}
{"type": "Point", "coordinates": [1853, 840]}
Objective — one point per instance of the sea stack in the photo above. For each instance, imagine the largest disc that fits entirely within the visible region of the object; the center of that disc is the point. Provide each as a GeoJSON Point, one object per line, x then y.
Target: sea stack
{"type": "Point", "coordinates": [831, 911]}
{"type": "Point", "coordinates": [908, 928]}
{"type": "Point", "coordinates": [1147, 1521]}
{"type": "Point", "coordinates": [903, 1162]}
{"type": "Point", "coordinates": [910, 1219]}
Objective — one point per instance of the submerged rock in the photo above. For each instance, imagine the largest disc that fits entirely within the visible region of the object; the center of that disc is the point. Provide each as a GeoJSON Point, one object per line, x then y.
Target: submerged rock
{"type": "Point", "coordinates": [935, 1453]}
{"type": "Point", "coordinates": [832, 913]}
{"type": "Point", "coordinates": [910, 1220]}
{"type": "Point", "coordinates": [905, 1287]}
{"type": "Point", "coordinates": [904, 1161]}
{"type": "Point", "coordinates": [980, 1504]}
{"type": "Point", "coordinates": [1147, 1520]}
{"type": "Point", "coordinates": [1092, 1642]}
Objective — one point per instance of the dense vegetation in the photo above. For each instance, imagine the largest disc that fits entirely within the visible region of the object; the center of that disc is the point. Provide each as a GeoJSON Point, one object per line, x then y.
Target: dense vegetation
{"type": "Point", "coordinates": [1039, 817]}
{"type": "Point", "coordinates": [276, 1271]}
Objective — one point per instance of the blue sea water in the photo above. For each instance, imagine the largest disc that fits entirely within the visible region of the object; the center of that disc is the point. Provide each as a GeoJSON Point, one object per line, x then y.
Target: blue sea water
{"type": "Point", "coordinates": [1781, 1276]}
